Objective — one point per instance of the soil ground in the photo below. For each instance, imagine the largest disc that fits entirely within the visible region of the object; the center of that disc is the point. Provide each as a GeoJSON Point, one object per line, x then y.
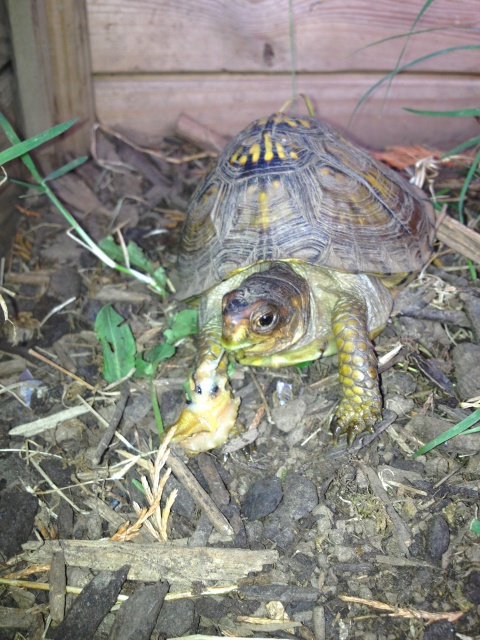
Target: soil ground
{"type": "Point", "coordinates": [372, 542]}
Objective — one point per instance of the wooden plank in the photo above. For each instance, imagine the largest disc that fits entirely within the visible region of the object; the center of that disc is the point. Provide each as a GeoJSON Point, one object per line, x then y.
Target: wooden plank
{"type": "Point", "coordinates": [131, 36]}
{"type": "Point", "coordinates": [5, 49]}
{"type": "Point", "coordinates": [227, 103]}
{"type": "Point", "coordinates": [52, 60]}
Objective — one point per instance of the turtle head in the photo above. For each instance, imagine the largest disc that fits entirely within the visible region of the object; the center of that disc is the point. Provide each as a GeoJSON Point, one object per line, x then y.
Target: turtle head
{"type": "Point", "coordinates": [268, 313]}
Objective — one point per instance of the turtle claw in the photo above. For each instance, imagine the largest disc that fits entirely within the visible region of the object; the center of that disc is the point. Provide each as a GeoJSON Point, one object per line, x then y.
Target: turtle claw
{"type": "Point", "coordinates": [353, 419]}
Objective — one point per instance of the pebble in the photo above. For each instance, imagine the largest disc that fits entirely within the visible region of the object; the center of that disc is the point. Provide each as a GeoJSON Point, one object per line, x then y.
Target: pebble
{"type": "Point", "coordinates": [300, 495]}
{"type": "Point", "coordinates": [440, 630]}
{"type": "Point", "coordinates": [471, 588]}
{"type": "Point", "coordinates": [466, 359]}
{"type": "Point", "coordinates": [289, 415]}
{"type": "Point", "coordinates": [17, 515]}
{"type": "Point", "coordinates": [262, 498]}
{"type": "Point", "coordinates": [437, 537]}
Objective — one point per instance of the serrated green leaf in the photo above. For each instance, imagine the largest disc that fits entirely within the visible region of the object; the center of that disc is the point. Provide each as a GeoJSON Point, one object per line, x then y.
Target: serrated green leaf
{"type": "Point", "coordinates": [182, 324]}
{"type": "Point", "coordinates": [118, 344]}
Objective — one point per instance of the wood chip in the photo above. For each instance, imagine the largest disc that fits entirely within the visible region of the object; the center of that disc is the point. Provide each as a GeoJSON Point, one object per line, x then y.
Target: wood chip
{"type": "Point", "coordinates": [157, 561]}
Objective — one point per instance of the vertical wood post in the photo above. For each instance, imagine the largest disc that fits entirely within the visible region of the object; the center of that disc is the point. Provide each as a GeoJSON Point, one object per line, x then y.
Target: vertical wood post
{"type": "Point", "coordinates": [52, 60]}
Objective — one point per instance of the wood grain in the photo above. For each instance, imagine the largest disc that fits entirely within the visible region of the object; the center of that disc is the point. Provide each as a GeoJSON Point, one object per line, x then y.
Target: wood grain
{"type": "Point", "coordinates": [158, 561]}
{"type": "Point", "coordinates": [5, 48]}
{"type": "Point", "coordinates": [52, 59]}
{"type": "Point", "coordinates": [147, 107]}
{"type": "Point", "coordinates": [129, 36]}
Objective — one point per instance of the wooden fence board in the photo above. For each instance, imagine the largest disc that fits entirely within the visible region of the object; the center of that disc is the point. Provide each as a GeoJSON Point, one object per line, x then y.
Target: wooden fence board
{"type": "Point", "coordinates": [147, 107]}
{"type": "Point", "coordinates": [154, 36]}
{"type": "Point", "coordinates": [52, 61]}
{"type": "Point", "coordinates": [5, 50]}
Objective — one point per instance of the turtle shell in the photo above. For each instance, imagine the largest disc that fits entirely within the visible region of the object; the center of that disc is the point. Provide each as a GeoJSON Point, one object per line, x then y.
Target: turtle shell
{"type": "Point", "coordinates": [289, 188]}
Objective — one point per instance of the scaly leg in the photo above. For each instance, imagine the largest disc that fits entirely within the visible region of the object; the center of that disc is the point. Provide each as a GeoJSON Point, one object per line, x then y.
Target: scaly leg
{"type": "Point", "coordinates": [361, 406]}
{"type": "Point", "coordinates": [207, 420]}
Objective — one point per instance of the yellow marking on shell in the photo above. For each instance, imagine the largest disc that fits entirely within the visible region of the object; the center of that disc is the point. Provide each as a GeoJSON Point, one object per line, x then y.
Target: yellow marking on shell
{"type": "Point", "coordinates": [306, 123]}
{"type": "Point", "coordinates": [268, 155]}
{"type": "Point", "coordinates": [234, 157]}
{"type": "Point", "coordinates": [263, 218]}
{"type": "Point", "coordinates": [280, 151]}
{"type": "Point", "coordinates": [293, 155]}
{"type": "Point", "coordinates": [276, 184]}
{"type": "Point", "coordinates": [255, 152]}
{"type": "Point", "coordinates": [243, 159]}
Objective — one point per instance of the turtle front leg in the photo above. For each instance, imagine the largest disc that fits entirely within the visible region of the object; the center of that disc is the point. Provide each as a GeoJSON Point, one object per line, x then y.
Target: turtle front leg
{"type": "Point", "coordinates": [361, 405]}
{"type": "Point", "coordinates": [210, 415]}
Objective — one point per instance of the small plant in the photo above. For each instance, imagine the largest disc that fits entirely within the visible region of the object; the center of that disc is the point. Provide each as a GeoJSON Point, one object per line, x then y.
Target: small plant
{"type": "Point", "coordinates": [119, 350]}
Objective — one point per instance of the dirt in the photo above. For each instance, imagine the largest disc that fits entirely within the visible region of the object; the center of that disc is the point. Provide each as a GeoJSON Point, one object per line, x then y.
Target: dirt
{"type": "Point", "coordinates": [371, 522]}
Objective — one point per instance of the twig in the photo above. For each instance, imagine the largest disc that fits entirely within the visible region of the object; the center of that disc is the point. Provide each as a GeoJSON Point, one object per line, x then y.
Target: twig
{"type": "Point", "coordinates": [39, 356]}
{"type": "Point", "coordinates": [403, 612]}
{"type": "Point", "coordinates": [400, 529]}
{"type": "Point", "coordinates": [200, 496]}
{"type": "Point", "coordinates": [114, 422]}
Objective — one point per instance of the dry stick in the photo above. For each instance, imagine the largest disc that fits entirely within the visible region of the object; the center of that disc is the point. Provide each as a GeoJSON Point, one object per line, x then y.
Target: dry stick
{"type": "Point", "coordinates": [53, 485]}
{"type": "Point", "coordinates": [39, 356]}
{"type": "Point", "coordinates": [58, 585]}
{"type": "Point", "coordinates": [400, 529]}
{"type": "Point", "coordinates": [114, 422]}
{"type": "Point", "coordinates": [175, 595]}
{"type": "Point", "coordinates": [451, 616]}
{"type": "Point", "coordinates": [199, 495]}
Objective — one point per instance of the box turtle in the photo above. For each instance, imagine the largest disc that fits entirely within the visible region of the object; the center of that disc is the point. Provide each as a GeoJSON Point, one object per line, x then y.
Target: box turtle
{"type": "Point", "coordinates": [292, 243]}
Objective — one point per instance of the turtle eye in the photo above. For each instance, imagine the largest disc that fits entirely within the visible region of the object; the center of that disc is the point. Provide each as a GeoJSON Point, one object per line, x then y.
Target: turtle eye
{"type": "Point", "coordinates": [265, 319]}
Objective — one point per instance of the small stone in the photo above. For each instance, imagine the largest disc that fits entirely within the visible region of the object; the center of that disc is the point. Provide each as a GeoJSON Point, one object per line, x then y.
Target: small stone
{"type": "Point", "coordinates": [440, 630]}
{"type": "Point", "coordinates": [176, 618]}
{"type": "Point", "coordinates": [17, 515]}
{"type": "Point", "coordinates": [471, 589]}
{"type": "Point", "coordinates": [401, 405]}
{"type": "Point", "coordinates": [262, 498]}
{"type": "Point", "coordinates": [279, 529]}
{"type": "Point", "coordinates": [466, 358]}
{"type": "Point", "coordinates": [300, 495]}
{"type": "Point", "coordinates": [427, 428]}
{"type": "Point", "coordinates": [437, 537]}
{"type": "Point", "coordinates": [289, 415]}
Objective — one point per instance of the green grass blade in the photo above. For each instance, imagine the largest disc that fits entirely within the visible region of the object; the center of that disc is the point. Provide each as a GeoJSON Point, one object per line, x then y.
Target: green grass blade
{"type": "Point", "coordinates": [466, 184]}
{"type": "Point", "coordinates": [450, 433]}
{"type": "Point", "coordinates": [70, 166]}
{"type": "Point", "coordinates": [20, 148]}
{"type": "Point", "coordinates": [457, 113]}
{"type": "Point", "coordinates": [408, 34]}
{"type": "Point", "coordinates": [156, 409]}
{"type": "Point", "coordinates": [407, 66]}
{"type": "Point", "coordinates": [465, 145]}
{"type": "Point", "coordinates": [367, 94]}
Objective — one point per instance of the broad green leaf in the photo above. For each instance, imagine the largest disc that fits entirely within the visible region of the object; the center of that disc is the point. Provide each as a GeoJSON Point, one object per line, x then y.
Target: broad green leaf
{"type": "Point", "coordinates": [475, 527]}
{"type": "Point", "coordinates": [146, 363]}
{"type": "Point", "coordinates": [182, 324]}
{"type": "Point", "coordinates": [118, 344]}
